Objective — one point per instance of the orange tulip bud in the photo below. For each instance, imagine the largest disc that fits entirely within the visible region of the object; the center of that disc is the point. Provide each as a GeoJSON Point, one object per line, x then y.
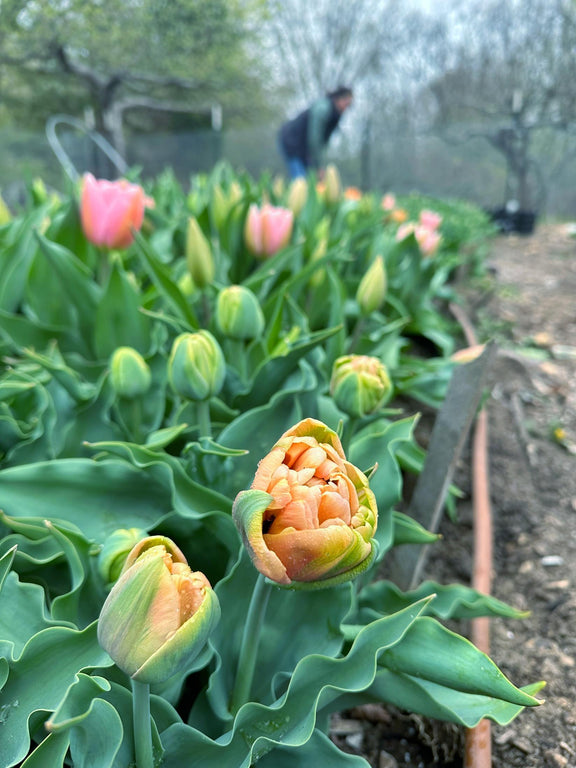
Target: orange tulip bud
{"type": "Point", "coordinates": [159, 614]}
{"type": "Point", "coordinates": [310, 516]}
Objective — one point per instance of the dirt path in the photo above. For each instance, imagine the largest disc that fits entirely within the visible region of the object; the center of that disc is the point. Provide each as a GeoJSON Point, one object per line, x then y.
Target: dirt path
{"type": "Point", "coordinates": [532, 416]}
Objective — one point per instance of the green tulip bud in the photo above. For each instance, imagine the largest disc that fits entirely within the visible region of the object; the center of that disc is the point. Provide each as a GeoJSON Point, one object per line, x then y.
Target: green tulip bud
{"type": "Point", "coordinates": [196, 367]}
{"type": "Point", "coordinates": [220, 206]}
{"type": "Point", "coordinates": [159, 614]}
{"type": "Point", "coordinates": [5, 215]}
{"type": "Point", "coordinates": [115, 551]}
{"type": "Point", "coordinates": [198, 255]}
{"type": "Point", "coordinates": [238, 313]}
{"type": "Point", "coordinates": [371, 292]}
{"type": "Point", "coordinates": [360, 384]}
{"type": "Point", "coordinates": [333, 184]}
{"type": "Point", "coordinates": [297, 195]}
{"type": "Point", "coordinates": [129, 373]}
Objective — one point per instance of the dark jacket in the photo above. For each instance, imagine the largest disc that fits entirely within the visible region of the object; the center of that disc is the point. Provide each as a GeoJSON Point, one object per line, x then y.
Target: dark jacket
{"type": "Point", "coordinates": [308, 133]}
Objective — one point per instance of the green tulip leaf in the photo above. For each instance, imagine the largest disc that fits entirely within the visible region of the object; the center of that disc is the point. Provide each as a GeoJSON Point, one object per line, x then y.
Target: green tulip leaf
{"type": "Point", "coordinates": [431, 652]}
{"type": "Point", "coordinates": [410, 531]}
{"type": "Point", "coordinates": [443, 702]}
{"type": "Point", "coordinates": [290, 721]}
{"type": "Point", "coordinates": [454, 601]}
{"type": "Point", "coordinates": [53, 657]}
{"type": "Point", "coordinates": [118, 321]}
{"type": "Point", "coordinates": [50, 752]}
{"type": "Point", "coordinates": [378, 444]}
{"type": "Point", "coordinates": [95, 741]}
{"type": "Point", "coordinates": [318, 750]}
{"type": "Point", "coordinates": [99, 497]}
{"type": "Point", "coordinates": [160, 276]}
{"type": "Point", "coordinates": [6, 561]}
{"type": "Point", "coordinates": [22, 615]}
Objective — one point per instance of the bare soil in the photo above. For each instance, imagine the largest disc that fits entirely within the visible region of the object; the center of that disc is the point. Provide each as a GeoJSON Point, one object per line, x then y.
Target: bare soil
{"type": "Point", "coordinates": [528, 306]}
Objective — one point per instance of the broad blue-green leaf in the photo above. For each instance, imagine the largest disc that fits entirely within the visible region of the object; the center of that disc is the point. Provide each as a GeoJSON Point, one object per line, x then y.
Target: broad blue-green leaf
{"type": "Point", "coordinates": [99, 497]}
{"type": "Point", "coordinates": [50, 752]}
{"type": "Point", "coordinates": [454, 601]}
{"type": "Point", "coordinates": [318, 750]}
{"type": "Point", "coordinates": [410, 531]}
{"type": "Point", "coordinates": [22, 615]}
{"type": "Point", "coordinates": [118, 321]}
{"type": "Point", "coordinates": [95, 741]}
{"type": "Point", "coordinates": [53, 657]}
{"type": "Point", "coordinates": [431, 652]}
{"type": "Point", "coordinates": [290, 721]}
{"type": "Point", "coordinates": [160, 276]}
{"type": "Point", "coordinates": [6, 563]}
{"type": "Point", "coordinates": [442, 702]}
{"type": "Point", "coordinates": [378, 446]}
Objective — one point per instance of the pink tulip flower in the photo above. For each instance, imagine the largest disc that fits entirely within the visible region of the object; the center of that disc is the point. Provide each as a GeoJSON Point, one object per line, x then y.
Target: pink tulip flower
{"type": "Point", "coordinates": [268, 229]}
{"type": "Point", "coordinates": [430, 219]}
{"type": "Point", "coordinates": [388, 202]}
{"type": "Point", "coordinates": [111, 211]}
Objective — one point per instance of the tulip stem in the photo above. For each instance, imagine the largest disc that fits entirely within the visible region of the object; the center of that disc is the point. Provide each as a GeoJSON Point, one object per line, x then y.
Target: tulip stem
{"type": "Point", "coordinates": [204, 422]}
{"type": "Point", "coordinates": [142, 725]}
{"type": "Point", "coordinates": [359, 327]}
{"type": "Point", "coordinates": [250, 643]}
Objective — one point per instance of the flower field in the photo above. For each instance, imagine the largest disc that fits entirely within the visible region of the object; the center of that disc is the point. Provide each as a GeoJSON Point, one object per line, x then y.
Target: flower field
{"type": "Point", "coordinates": [207, 406]}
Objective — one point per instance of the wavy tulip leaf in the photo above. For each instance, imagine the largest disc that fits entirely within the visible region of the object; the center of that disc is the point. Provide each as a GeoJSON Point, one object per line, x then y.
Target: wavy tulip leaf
{"type": "Point", "coordinates": [454, 601]}
{"type": "Point", "coordinates": [162, 279]}
{"type": "Point", "coordinates": [290, 721]}
{"type": "Point", "coordinates": [22, 615]}
{"type": "Point", "coordinates": [379, 446]}
{"type": "Point", "coordinates": [410, 531]}
{"type": "Point", "coordinates": [318, 750]}
{"type": "Point", "coordinates": [16, 259]}
{"type": "Point", "coordinates": [76, 704]}
{"type": "Point", "coordinates": [50, 752]}
{"type": "Point", "coordinates": [272, 376]}
{"type": "Point", "coordinates": [19, 332]}
{"type": "Point", "coordinates": [6, 563]}
{"type": "Point", "coordinates": [442, 702]}
{"type": "Point", "coordinates": [118, 321]}
{"type": "Point", "coordinates": [94, 742]}
{"type": "Point", "coordinates": [75, 283]}
{"type": "Point", "coordinates": [431, 652]}
{"type": "Point", "coordinates": [97, 497]}
{"type": "Point", "coordinates": [257, 430]}
{"type": "Point", "coordinates": [53, 657]}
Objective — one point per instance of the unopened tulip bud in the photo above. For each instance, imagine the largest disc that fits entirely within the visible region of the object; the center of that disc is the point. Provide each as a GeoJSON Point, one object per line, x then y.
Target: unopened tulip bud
{"type": "Point", "coordinates": [159, 614]}
{"type": "Point", "coordinates": [278, 186]}
{"type": "Point", "coordinates": [360, 384]}
{"type": "Point", "coordinates": [220, 206]}
{"type": "Point", "coordinates": [198, 255]}
{"type": "Point", "coordinates": [238, 313]}
{"type": "Point", "coordinates": [310, 516]}
{"type": "Point", "coordinates": [196, 367]}
{"type": "Point", "coordinates": [116, 548]}
{"type": "Point", "coordinates": [333, 184]}
{"type": "Point", "coordinates": [298, 195]}
{"type": "Point", "coordinates": [371, 292]}
{"type": "Point", "coordinates": [129, 373]}
{"type": "Point", "coordinates": [5, 215]}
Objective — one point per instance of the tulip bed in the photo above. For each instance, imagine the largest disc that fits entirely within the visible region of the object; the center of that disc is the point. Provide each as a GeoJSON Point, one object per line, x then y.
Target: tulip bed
{"type": "Point", "coordinates": [201, 452]}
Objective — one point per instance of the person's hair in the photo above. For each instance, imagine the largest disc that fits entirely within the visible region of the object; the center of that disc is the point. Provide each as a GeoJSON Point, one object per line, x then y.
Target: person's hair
{"type": "Point", "coordinates": [341, 92]}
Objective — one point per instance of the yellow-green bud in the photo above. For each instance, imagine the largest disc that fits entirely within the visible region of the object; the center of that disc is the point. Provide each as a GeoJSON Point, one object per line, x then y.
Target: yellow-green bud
{"type": "Point", "coordinates": [129, 373]}
{"type": "Point", "coordinates": [360, 384]}
{"type": "Point", "coordinates": [298, 195]}
{"type": "Point", "coordinates": [238, 313]}
{"type": "Point", "coordinates": [186, 285]}
{"type": "Point", "coordinates": [278, 186]}
{"type": "Point", "coordinates": [220, 206]}
{"type": "Point", "coordinates": [5, 215]}
{"type": "Point", "coordinates": [198, 255]}
{"type": "Point", "coordinates": [371, 292]}
{"type": "Point", "coordinates": [333, 184]}
{"type": "Point", "coordinates": [115, 551]}
{"type": "Point", "coordinates": [159, 614]}
{"type": "Point", "coordinates": [196, 367]}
